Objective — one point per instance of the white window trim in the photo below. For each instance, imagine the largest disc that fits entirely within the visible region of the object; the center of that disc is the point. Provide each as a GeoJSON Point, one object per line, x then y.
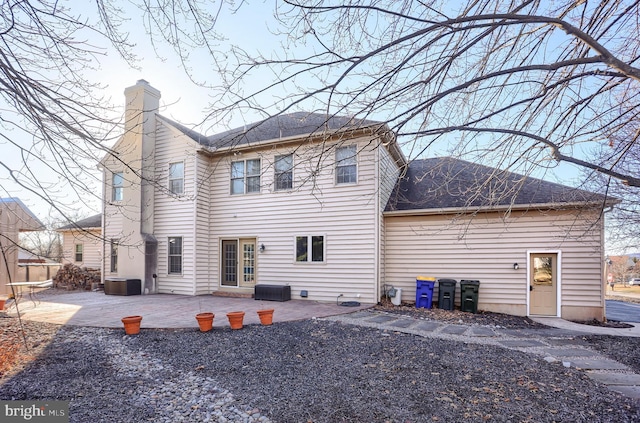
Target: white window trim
{"type": "Point", "coordinates": [310, 249]}
{"type": "Point", "coordinates": [170, 179]}
{"type": "Point", "coordinates": [245, 176]}
{"type": "Point", "coordinates": [169, 255]}
{"type": "Point", "coordinates": [357, 165]}
{"type": "Point", "coordinates": [113, 243]}
{"type": "Point", "coordinates": [75, 252]}
{"type": "Point", "coordinates": [113, 186]}
{"type": "Point", "coordinates": [275, 173]}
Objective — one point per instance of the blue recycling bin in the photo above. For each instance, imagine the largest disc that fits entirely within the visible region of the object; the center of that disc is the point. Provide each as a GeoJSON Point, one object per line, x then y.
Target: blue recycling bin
{"type": "Point", "coordinates": [424, 291]}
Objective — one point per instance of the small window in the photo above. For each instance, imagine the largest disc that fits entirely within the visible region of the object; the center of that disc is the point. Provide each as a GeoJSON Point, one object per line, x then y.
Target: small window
{"type": "Point", "coordinates": [284, 172]}
{"type": "Point", "coordinates": [310, 248]}
{"type": "Point", "coordinates": [117, 186]}
{"type": "Point", "coordinates": [176, 178]}
{"type": "Point", "coordinates": [78, 252]}
{"type": "Point", "coordinates": [175, 255]}
{"type": "Point", "coordinates": [245, 176]}
{"type": "Point", "coordinates": [346, 165]}
{"type": "Point", "coordinates": [114, 255]}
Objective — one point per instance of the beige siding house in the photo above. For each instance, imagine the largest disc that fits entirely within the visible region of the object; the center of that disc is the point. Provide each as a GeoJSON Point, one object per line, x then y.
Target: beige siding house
{"type": "Point", "coordinates": [331, 207]}
{"type": "Point", "coordinates": [82, 242]}
{"type": "Point", "coordinates": [15, 217]}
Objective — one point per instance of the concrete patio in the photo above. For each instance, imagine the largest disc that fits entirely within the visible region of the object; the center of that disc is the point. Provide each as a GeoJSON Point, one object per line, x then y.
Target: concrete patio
{"type": "Point", "coordinates": [161, 310]}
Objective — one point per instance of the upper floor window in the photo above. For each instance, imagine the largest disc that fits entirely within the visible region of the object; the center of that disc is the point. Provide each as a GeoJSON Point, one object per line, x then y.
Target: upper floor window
{"type": "Point", "coordinates": [346, 165]}
{"type": "Point", "coordinates": [284, 172]}
{"type": "Point", "coordinates": [175, 255]}
{"type": "Point", "coordinates": [117, 186]}
{"type": "Point", "coordinates": [176, 178]}
{"type": "Point", "coordinates": [245, 176]}
{"type": "Point", "coordinates": [78, 252]}
{"type": "Point", "coordinates": [310, 248]}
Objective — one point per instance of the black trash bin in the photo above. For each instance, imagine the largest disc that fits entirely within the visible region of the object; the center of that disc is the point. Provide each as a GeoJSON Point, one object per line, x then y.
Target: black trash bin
{"type": "Point", "coordinates": [469, 296]}
{"type": "Point", "coordinates": [446, 293]}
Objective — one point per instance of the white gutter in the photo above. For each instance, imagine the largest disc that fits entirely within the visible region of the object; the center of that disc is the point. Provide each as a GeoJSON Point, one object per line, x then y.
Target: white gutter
{"type": "Point", "coordinates": [508, 207]}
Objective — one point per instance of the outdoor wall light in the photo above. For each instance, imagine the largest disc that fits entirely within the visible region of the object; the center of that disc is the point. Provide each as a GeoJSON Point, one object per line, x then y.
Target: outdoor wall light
{"type": "Point", "coordinates": [262, 248]}
{"type": "Point", "coordinates": [515, 266]}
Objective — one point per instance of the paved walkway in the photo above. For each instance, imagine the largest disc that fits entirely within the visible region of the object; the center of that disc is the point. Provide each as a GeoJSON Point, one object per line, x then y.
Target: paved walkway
{"type": "Point", "coordinates": [560, 343]}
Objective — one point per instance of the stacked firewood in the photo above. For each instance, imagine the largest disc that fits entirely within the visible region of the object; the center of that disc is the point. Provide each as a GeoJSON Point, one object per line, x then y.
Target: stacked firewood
{"type": "Point", "coordinates": [72, 277]}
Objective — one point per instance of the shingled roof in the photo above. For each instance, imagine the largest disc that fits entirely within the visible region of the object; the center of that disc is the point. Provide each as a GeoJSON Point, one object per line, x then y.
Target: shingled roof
{"type": "Point", "coordinates": [88, 223]}
{"type": "Point", "coordinates": [449, 183]}
{"type": "Point", "coordinates": [276, 127]}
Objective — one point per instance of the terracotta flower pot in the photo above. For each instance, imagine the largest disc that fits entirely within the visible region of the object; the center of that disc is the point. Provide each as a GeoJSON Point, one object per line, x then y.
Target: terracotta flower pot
{"type": "Point", "coordinates": [132, 324]}
{"type": "Point", "coordinates": [205, 321]}
{"type": "Point", "coordinates": [2, 301]}
{"type": "Point", "coordinates": [266, 316]}
{"type": "Point", "coordinates": [235, 319]}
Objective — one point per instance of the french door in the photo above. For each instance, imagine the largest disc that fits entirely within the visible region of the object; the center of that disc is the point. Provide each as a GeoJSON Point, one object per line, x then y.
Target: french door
{"type": "Point", "coordinates": [238, 263]}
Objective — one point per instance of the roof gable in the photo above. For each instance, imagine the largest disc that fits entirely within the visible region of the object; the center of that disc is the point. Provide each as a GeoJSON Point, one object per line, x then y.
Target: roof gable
{"type": "Point", "coordinates": [277, 127]}
{"type": "Point", "coordinates": [449, 183]}
{"type": "Point", "coordinates": [25, 220]}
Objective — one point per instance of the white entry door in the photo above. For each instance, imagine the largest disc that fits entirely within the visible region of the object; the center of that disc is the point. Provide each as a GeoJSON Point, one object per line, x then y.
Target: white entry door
{"type": "Point", "coordinates": [543, 284]}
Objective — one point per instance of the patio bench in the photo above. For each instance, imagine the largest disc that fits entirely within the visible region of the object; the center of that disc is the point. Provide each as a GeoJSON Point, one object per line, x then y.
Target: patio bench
{"type": "Point", "coordinates": [272, 292]}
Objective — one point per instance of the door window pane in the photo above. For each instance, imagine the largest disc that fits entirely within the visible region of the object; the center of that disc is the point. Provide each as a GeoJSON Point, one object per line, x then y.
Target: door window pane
{"type": "Point", "coordinates": [543, 270]}
{"type": "Point", "coordinates": [230, 263]}
{"type": "Point", "coordinates": [249, 262]}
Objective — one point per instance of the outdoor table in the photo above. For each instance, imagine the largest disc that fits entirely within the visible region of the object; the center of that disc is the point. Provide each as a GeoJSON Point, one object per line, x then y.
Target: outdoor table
{"type": "Point", "coordinates": [32, 288]}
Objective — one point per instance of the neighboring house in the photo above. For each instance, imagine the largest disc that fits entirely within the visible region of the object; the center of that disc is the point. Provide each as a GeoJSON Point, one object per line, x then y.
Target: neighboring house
{"type": "Point", "coordinates": [34, 268]}
{"type": "Point", "coordinates": [332, 208]}
{"type": "Point", "coordinates": [82, 242]}
{"type": "Point", "coordinates": [15, 217]}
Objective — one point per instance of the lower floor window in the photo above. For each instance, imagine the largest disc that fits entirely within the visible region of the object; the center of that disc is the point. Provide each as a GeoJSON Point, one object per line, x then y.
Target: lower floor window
{"type": "Point", "coordinates": [310, 248]}
{"type": "Point", "coordinates": [79, 250]}
{"type": "Point", "coordinates": [175, 255]}
{"type": "Point", "coordinates": [114, 255]}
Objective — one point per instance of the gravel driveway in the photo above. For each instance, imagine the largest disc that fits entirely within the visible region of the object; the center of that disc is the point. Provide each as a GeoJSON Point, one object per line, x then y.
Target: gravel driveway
{"type": "Point", "coordinates": [308, 371]}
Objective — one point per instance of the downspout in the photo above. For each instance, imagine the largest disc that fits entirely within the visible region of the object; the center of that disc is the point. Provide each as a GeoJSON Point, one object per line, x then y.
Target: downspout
{"type": "Point", "coordinates": [376, 287]}
{"type": "Point", "coordinates": [103, 226]}
{"type": "Point", "coordinates": [195, 224]}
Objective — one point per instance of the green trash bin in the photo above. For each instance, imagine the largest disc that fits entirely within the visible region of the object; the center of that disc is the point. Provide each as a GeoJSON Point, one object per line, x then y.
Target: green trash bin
{"type": "Point", "coordinates": [446, 293]}
{"type": "Point", "coordinates": [469, 295]}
